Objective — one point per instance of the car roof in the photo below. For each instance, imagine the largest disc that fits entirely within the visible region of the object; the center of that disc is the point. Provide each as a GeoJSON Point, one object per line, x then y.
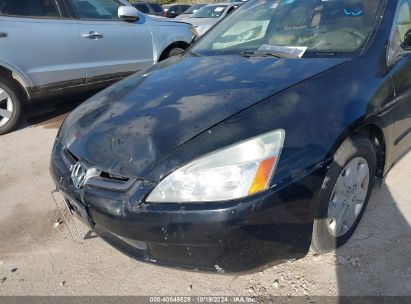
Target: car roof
{"type": "Point", "coordinates": [178, 4]}
{"type": "Point", "coordinates": [225, 4]}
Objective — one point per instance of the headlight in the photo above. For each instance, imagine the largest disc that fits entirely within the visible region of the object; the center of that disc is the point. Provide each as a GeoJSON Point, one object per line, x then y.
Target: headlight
{"type": "Point", "coordinates": [237, 171]}
{"type": "Point", "coordinates": [193, 30]}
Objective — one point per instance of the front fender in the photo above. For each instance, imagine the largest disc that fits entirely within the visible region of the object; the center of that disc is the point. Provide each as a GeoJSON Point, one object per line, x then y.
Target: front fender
{"type": "Point", "coordinates": [166, 35]}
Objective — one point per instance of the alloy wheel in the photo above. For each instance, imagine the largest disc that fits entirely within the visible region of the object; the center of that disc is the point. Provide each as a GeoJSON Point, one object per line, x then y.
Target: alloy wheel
{"type": "Point", "coordinates": [348, 197]}
{"type": "Point", "coordinates": [6, 107]}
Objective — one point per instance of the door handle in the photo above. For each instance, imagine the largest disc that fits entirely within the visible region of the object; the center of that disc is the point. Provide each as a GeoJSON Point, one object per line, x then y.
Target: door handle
{"type": "Point", "coordinates": [92, 35]}
{"type": "Point", "coordinates": [3, 35]}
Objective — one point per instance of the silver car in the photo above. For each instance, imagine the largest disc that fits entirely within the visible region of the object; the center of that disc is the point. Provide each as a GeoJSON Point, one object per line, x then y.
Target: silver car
{"type": "Point", "coordinates": [209, 15]}
{"type": "Point", "coordinates": [50, 48]}
{"type": "Point", "coordinates": [192, 10]}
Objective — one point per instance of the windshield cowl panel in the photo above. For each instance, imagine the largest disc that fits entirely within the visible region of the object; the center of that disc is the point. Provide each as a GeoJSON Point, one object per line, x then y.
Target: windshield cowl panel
{"type": "Point", "coordinates": [333, 28]}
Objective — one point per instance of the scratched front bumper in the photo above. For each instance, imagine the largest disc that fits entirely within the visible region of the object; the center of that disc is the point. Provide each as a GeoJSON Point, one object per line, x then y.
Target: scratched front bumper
{"type": "Point", "coordinates": [230, 236]}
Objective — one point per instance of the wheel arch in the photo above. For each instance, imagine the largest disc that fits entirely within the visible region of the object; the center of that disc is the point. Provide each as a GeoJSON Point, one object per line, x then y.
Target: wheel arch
{"type": "Point", "coordinates": [17, 78]}
{"type": "Point", "coordinates": [180, 44]}
{"type": "Point", "coordinates": [377, 137]}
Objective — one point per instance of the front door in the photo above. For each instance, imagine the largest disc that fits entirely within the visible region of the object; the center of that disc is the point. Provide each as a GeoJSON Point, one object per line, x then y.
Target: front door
{"type": "Point", "coordinates": [112, 47]}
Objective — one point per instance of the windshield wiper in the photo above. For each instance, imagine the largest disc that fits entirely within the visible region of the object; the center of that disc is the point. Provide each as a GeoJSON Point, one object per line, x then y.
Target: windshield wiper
{"type": "Point", "coordinates": [259, 54]}
{"type": "Point", "coordinates": [322, 53]}
{"type": "Point", "coordinates": [276, 54]}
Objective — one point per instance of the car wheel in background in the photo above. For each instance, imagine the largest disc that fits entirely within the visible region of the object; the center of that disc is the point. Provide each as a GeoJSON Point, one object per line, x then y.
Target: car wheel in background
{"type": "Point", "coordinates": [11, 106]}
{"type": "Point", "coordinates": [345, 194]}
{"type": "Point", "coordinates": [174, 51]}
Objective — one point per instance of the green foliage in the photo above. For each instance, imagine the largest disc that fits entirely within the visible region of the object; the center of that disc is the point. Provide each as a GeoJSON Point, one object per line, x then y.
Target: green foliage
{"type": "Point", "coordinates": [166, 1]}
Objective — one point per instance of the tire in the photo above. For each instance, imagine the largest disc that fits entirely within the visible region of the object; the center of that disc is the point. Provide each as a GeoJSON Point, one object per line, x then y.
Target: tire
{"type": "Point", "coordinates": [11, 104]}
{"type": "Point", "coordinates": [172, 52]}
{"type": "Point", "coordinates": [339, 209]}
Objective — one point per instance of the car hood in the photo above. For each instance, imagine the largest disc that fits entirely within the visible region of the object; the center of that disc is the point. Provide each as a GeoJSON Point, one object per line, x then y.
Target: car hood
{"type": "Point", "coordinates": [183, 17]}
{"type": "Point", "coordinates": [202, 21]}
{"type": "Point", "coordinates": [131, 126]}
{"type": "Point", "coordinates": [159, 20]}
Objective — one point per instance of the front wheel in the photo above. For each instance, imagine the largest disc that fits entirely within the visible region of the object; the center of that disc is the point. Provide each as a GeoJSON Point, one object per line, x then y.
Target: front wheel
{"type": "Point", "coordinates": [11, 106]}
{"type": "Point", "coordinates": [172, 52]}
{"type": "Point", "coordinates": [345, 194]}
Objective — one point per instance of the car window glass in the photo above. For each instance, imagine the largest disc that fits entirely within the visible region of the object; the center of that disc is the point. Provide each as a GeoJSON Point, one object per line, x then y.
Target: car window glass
{"type": "Point", "coordinates": [318, 27]}
{"type": "Point", "coordinates": [194, 8]}
{"type": "Point", "coordinates": [210, 11]}
{"type": "Point", "coordinates": [29, 8]}
{"type": "Point", "coordinates": [230, 10]}
{"type": "Point", "coordinates": [403, 20]}
{"type": "Point", "coordinates": [173, 10]}
{"type": "Point", "coordinates": [156, 7]}
{"type": "Point", "coordinates": [142, 8]}
{"type": "Point", "coordinates": [402, 24]}
{"type": "Point", "coordinates": [96, 9]}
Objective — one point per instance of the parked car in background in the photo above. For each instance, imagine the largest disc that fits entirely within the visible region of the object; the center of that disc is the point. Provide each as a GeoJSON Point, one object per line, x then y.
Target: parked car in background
{"type": "Point", "coordinates": [209, 15]}
{"type": "Point", "coordinates": [150, 8]}
{"type": "Point", "coordinates": [188, 13]}
{"type": "Point", "coordinates": [49, 50]}
{"type": "Point", "coordinates": [175, 10]}
{"type": "Point", "coordinates": [166, 7]}
{"type": "Point", "coordinates": [235, 155]}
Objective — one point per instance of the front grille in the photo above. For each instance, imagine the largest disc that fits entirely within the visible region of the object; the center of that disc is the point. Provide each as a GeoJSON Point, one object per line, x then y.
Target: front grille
{"type": "Point", "coordinates": [99, 178]}
{"type": "Point", "coordinates": [69, 158]}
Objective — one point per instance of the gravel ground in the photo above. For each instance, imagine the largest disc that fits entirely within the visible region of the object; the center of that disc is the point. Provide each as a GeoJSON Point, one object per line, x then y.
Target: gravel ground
{"type": "Point", "coordinates": [38, 257]}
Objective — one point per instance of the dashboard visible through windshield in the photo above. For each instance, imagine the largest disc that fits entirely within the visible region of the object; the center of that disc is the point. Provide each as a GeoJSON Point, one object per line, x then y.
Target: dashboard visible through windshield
{"type": "Point", "coordinates": [319, 26]}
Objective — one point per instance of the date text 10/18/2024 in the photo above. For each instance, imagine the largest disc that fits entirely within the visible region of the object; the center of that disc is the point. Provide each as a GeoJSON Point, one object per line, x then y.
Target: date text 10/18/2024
{"type": "Point", "coordinates": [203, 299]}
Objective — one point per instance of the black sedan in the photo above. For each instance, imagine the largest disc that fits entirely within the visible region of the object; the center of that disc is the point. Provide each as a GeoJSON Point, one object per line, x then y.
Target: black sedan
{"type": "Point", "coordinates": [263, 139]}
{"type": "Point", "coordinates": [175, 10]}
{"type": "Point", "coordinates": [151, 8]}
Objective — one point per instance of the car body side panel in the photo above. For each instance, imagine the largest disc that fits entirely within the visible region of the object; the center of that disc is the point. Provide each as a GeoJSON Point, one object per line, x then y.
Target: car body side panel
{"type": "Point", "coordinates": [18, 75]}
{"type": "Point", "coordinates": [165, 33]}
{"type": "Point", "coordinates": [125, 47]}
{"type": "Point", "coordinates": [44, 50]}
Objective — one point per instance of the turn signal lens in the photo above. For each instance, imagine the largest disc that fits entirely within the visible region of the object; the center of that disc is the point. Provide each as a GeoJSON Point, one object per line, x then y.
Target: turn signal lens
{"type": "Point", "coordinates": [263, 176]}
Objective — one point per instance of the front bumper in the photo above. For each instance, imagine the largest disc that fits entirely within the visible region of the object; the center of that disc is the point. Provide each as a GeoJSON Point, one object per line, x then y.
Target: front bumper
{"type": "Point", "coordinates": [230, 236]}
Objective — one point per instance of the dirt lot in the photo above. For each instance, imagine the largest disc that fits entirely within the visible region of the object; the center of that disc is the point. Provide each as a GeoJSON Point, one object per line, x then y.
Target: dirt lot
{"type": "Point", "coordinates": [37, 258]}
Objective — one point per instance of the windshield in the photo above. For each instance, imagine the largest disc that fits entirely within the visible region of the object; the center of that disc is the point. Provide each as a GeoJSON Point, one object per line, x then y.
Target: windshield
{"type": "Point", "coordinates": [210, 11]}
{"type": "Point", "coordinates": [311, 26]}
{"type": "Point", "coordinates": [156, 7]}
{"type": "Point", "coordinates": [194, 8]}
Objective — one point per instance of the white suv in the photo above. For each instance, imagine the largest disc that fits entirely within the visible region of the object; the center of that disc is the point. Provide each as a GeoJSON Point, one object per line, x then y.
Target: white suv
{"type": "Point", "coordinates": [51, 48]}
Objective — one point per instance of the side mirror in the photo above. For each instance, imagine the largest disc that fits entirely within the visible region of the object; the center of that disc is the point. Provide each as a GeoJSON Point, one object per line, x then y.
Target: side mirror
{"type": "Point", "coordinates": [407, 41]}
{"type": "Point", "coordinates": [128, 13]}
